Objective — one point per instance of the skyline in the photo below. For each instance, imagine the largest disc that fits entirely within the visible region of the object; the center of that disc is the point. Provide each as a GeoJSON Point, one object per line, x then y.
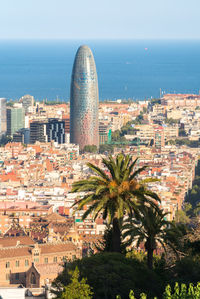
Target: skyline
{"type": "Point", "coordinates": [100, 20]}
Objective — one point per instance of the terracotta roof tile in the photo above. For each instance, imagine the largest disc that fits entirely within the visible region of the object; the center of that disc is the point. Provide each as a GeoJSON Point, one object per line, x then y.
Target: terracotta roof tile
{"type": "Point", "coordinates": [45, 269]}
{"type": "Point", "coordinates": [12, 241]}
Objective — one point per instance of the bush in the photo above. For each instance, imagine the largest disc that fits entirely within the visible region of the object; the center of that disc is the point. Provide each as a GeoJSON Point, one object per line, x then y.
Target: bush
{"type": "Point", "coordinates": [112, 274]}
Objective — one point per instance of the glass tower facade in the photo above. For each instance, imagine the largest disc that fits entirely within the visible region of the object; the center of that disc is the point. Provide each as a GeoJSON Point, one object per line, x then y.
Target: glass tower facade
{"type": "Point", "coordinates": [3, 122]}
{"type": "Point", "coordinates": [84, 100]}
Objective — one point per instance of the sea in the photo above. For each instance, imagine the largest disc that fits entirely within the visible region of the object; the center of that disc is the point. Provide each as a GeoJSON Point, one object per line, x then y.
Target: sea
{"type": "Point", "coordinates": [127, 69]}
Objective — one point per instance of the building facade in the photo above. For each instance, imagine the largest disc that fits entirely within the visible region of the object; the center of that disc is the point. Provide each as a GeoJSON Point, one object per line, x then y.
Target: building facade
{"type": "Point", "coordinates": [23, 136]}
{"type": "Point", "coordinates": [38, 131]}
{"type": "Point", "coordinates": [27, 102]}
{"type": "Point", "coordinates": [47, 130]}
{"type": "Point", "coordinates": [3, 122]}
{"type": "Point", "coordinates": [84, 100]}
{"type": "Point", "coordinates": [15, 120]}
{"type": "Point", "coordinates": [56, 130]}
{"type": "Point", "coordinates": [17, 260]}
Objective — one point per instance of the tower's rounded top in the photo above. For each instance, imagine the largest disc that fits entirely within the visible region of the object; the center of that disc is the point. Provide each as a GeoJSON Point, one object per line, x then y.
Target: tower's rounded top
{"type": "Point", "coordinates": [84, 49]}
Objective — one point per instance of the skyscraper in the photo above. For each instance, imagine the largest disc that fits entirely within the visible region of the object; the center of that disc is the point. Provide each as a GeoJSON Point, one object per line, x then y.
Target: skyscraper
{"type": "Point", "coordinates": [84, 100]}
{"type": "Point", "coordinates": [3, 123]}
{"type": "Point", "coordinates": [15, 120]}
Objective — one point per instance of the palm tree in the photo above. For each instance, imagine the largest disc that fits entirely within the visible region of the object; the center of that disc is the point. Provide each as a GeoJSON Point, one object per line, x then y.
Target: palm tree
{"type": "Point", "coordinates": [151, 228]}
{"type": "Point", "coordinates": [114, 193]}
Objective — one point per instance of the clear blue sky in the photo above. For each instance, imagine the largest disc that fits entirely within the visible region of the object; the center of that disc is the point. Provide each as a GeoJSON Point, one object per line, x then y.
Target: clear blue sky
{"type": "Point", "coordinates": [99, 19]}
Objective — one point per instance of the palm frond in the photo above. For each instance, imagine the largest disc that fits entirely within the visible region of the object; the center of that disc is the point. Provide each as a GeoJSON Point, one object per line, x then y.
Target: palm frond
{"type": "Point", "coordinates": [98, 171]}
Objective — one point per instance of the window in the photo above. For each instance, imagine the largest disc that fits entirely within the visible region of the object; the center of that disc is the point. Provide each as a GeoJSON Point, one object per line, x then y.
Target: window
{"type": "Point", "coordinates": [7, 276]}
{"type": "Point", "coordinates": [55, 259]}
{"type": "Point", "coordinates": [64, 259]}
{"type": "Point", "coordinates": [16, 276]}
{"type": "Point", "coordinates": [26, 263]}
{"type": "Point", "coordinates": [36, 260]}
{"type": "Point", "coordinates": [33, 278]}
{"type": "Point", "coordinates": [17, 263]}
{"type": "Point", "coordinates": [46, 260]}
{"type": "Point", "coordinates": [7, 264]}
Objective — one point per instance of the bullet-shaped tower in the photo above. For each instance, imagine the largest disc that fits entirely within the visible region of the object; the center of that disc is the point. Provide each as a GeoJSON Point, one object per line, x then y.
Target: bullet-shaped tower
{"type": "Point", "coordinates": [84, 100]}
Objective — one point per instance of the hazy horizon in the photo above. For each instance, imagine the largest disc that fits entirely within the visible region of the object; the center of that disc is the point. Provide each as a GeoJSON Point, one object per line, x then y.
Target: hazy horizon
{"type": "Point", "coordinates": [116, 19]}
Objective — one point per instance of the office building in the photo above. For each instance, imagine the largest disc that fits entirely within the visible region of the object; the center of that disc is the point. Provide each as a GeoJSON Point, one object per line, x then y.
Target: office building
{"type": "Point", "coordinates": [38, 131]}
{"type": "Point", "coordinates": [56, 130]}
{"type": "Point", "coordinates": [27, 102]}
{"type": "Point", "coordinates": [104, 134]}
{"type": "Point", "coordinates": [23, 136]}
{"type": "Point", "coordinates": [3, 123]}
{"type": "Point", "coordinates": [47, 130]}
{"type": "Point", "coordinates": [84, 100]}
{"type": "Point", "coordinates": [15, 120]}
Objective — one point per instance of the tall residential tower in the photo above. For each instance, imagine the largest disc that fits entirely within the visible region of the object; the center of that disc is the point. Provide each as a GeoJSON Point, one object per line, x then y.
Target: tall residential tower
{"type": "Point", "coordinates": [3, 123]}
{"type": "Point", "coordinates": [84, 100]}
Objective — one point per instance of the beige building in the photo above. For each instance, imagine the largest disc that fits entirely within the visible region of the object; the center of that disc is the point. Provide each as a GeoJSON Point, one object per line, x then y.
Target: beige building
{"type": "Point", "coordinates": [18, 254]}
{"type": "Point", "coordinates": [181, 100]}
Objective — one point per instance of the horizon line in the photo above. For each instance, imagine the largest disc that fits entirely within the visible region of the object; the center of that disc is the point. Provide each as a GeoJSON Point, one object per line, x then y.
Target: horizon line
{"type": "Point", "coordinates": [100, 39]}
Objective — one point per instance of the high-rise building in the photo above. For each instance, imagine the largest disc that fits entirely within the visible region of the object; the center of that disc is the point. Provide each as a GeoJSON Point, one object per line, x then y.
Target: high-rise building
{"type": "Point", "coordinates": [15, 120]}
{"type": "Point", "coordinates": [3, 122]}
{"type": "Point", "coordinates": [27, 102]}
{"type": "Point", "coordinates": [47, 130]}
{"type": "Point", "coordinates": [38, 131]}
{"type": "Point", "coordinates": [23, 135]}
{"type": "Point", "coordinates": [56, 130]}
{"type": "Point", "coordinates": [66, 119]}
{"type": "Point", "coordinates": [104, 134]}
{"type": "Point", "coordinates": [84, 100]}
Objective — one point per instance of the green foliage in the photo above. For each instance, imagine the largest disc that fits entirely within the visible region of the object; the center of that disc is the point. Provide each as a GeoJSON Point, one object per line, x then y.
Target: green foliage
{"type": "Point", "coordinates": [194, 194]}
{"type": "Point", "coordinates": [171, 121]}
{"type": "Point", "coordinates": [106, 244]}
{"type": "Point", "coordinates": [151, 228]}
{"type": "Point", "coordinates": [186, 270]}
{"type": "Point", "coordinates": [112, 274]}
{"type": "Point", "coordinates": [52, 103]}
{"type": "Point", "coordinates": [106, 148]}
{"type": "Point", "coordinates": [127, 129]}
{"type": "Point", "coordinates": [185, 141]}
{"type": "Point", "coordinates": [114, 195]}
{"type": "Point", "coordinates": [182, 292]}
{"type": "Point", "coordinates": [155, 101]}
{"type": "Point", "coordinates": [117, 136]}
{"type": "Point", "coordinates": [182, 132]}
{"type": "Point", "coordinates": [181, 217]}
{"type": "Point", "coordinates": [179, 292]}
{"type": "Point", "coordinates": [76, 289]}
{"type": "Point", "coordinates": [90, 149]}
{"type": "Point", "coordinates": [10, 104]}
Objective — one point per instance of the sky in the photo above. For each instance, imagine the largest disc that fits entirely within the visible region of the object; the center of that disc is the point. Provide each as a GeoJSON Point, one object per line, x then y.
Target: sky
{"type": "Point", "coordinates": [99, 19]}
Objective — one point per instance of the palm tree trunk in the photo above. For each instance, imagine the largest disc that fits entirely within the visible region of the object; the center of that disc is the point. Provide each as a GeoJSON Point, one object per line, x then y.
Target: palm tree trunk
{"type": "Point", "coordinates": [116, 237]}
{"type": "Point", "coordinates": [150, 258]}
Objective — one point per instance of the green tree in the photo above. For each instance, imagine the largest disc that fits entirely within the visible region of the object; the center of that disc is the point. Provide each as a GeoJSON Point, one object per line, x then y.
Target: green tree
{"type": "Point", "coordinates": [114, 194]}
{"type": "Point", "coordinates": [90, 148]}
{"type": "Point", "coordinates": [105, 148]}
{"type": "Point", "coordinates": [182, 132]}
{"type": "Point", "coordinates": [76, 289]}
{"type": "Point", "coordinates": [151, 228]}
{"type": "Point", "coordinates": [110, 274]}
{"type": "Point", "coordinates": [181, 217]}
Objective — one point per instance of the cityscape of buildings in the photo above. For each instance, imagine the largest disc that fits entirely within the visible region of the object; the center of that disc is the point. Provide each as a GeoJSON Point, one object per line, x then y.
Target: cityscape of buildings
{"type": "Point", "coordinates": [43, 152]}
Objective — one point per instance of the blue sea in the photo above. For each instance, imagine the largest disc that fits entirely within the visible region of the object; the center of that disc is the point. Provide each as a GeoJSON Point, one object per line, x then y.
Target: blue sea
{"type": "Point", "coordinates": [126, 69]}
